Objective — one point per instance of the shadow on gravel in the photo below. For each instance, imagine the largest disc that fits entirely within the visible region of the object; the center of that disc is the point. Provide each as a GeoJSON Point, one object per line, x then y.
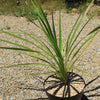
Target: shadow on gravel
{"type": "Point", "coordinates": [94, 89]}
{"type": "Point", "coordinates": [84, 97]}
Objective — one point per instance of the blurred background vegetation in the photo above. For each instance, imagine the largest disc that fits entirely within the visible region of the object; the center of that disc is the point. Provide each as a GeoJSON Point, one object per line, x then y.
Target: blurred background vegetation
{"type": "Point", "coordinates": [20, 8]}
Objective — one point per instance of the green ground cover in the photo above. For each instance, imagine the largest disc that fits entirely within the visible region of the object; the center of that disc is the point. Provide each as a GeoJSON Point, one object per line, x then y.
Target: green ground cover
{"type": "Point", "coordinates": [13, 7]}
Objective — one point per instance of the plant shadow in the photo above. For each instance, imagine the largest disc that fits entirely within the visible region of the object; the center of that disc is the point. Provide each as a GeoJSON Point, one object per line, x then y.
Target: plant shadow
{"type": "Point", "coordinates": [94, 89]}
{"type": "Point", "coordinates": [84, 97]}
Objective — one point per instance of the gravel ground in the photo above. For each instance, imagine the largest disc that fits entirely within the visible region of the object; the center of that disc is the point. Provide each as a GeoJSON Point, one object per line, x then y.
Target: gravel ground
{"type": "Point", "coordinates": [11, 87]}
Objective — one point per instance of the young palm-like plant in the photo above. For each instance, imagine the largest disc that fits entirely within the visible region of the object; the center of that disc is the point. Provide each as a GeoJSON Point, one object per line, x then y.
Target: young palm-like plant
{"type": "Point", "coordinates": [63, 60]}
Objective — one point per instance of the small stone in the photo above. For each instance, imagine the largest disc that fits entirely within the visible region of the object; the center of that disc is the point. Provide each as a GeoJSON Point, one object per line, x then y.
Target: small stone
{"type": "Point", "coordinates": [1, 62]}
{"type": "Point", "coordinates": [74, 10]}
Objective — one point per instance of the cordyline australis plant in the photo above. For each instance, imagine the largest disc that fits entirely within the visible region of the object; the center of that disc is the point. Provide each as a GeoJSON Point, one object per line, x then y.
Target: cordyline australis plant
{"type": "Point", "coordinates": [63, 60]}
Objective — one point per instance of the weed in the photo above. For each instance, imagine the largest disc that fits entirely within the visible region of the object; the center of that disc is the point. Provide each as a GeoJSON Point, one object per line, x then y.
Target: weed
{"type": "Point", "coordinates": [1, 13]}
